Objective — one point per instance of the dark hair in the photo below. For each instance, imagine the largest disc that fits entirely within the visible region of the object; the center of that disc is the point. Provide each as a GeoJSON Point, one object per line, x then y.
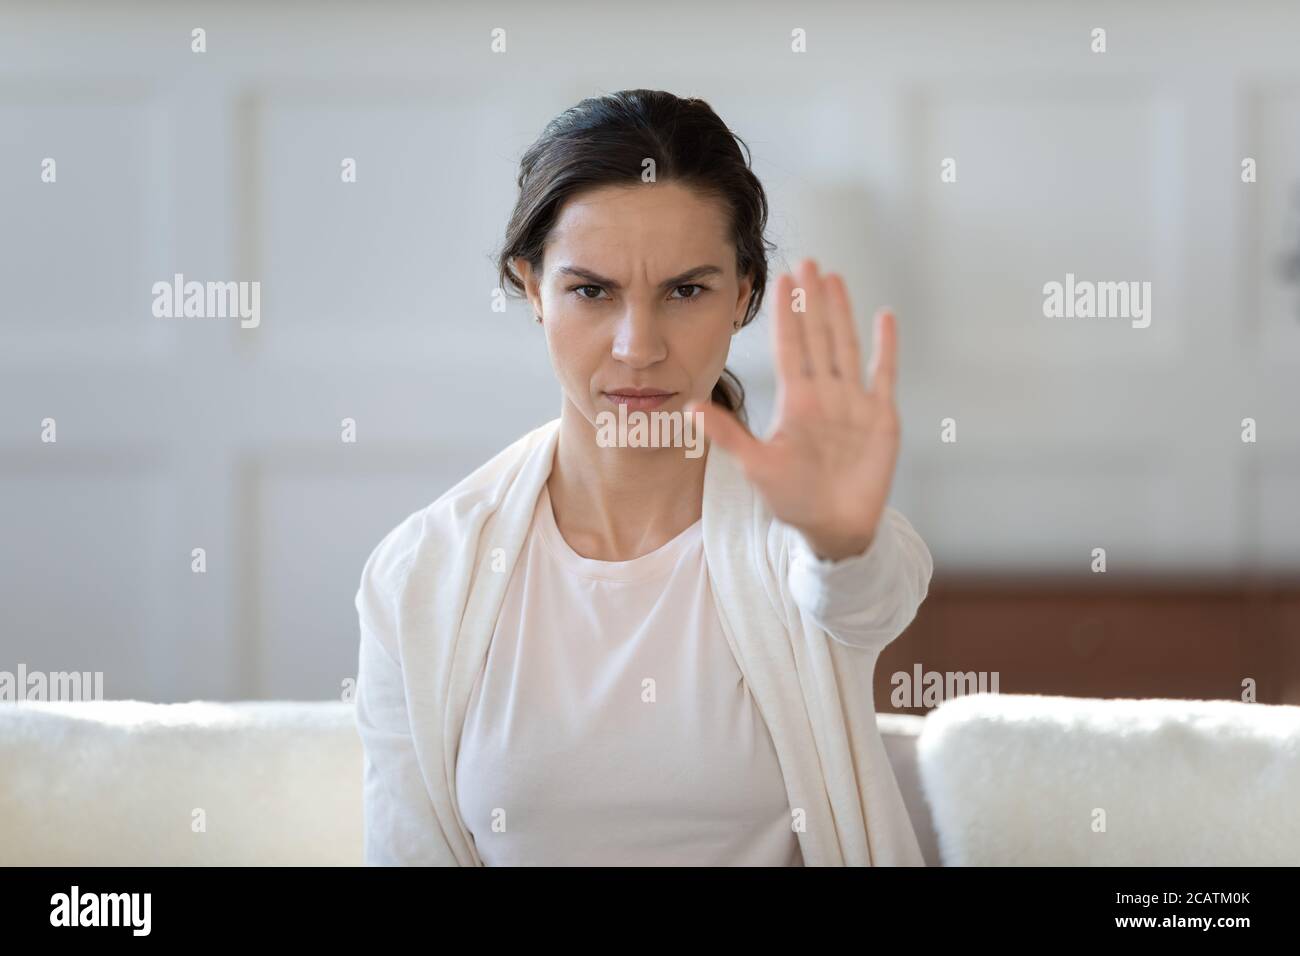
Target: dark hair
{"type": "Point", "coordinates": [604, 141]}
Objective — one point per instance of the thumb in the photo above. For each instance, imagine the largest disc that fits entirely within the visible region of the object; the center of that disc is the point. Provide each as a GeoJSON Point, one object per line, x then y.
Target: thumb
{"type": "Point", "coordinates": [722, 427]}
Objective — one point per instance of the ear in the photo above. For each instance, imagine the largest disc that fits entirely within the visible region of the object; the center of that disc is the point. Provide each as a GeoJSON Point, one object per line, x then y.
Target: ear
{"type": "Point", "coordinates": [742, 301]}
{"type": "Point", "coordinates": [530, 281]}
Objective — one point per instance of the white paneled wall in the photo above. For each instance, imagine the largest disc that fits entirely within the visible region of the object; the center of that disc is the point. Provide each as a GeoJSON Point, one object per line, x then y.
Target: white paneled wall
{"type": "Point", "coordinates": [175, 434]}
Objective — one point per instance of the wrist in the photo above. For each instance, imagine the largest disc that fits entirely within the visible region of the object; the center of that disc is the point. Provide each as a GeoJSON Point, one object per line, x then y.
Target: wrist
{"type": "Point", "coordinates": [827, 546]}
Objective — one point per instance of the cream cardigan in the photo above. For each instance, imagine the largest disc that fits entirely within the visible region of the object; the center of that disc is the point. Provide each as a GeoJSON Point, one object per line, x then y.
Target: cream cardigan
{"type": "Point", "coordinates": [805, 633]}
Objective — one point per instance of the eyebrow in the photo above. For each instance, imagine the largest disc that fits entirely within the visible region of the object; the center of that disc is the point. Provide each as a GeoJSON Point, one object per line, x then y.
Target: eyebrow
{"type": "Point", "coordinates": [699, 272]}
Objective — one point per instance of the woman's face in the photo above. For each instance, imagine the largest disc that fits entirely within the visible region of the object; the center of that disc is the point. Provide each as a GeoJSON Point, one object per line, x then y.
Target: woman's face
{"type": "Point", "coordinates": [638, 291]}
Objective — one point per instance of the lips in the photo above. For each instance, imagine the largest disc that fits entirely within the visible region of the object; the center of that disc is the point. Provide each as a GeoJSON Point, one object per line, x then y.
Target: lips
{"type": "Point", "coordinates": [638, 399]}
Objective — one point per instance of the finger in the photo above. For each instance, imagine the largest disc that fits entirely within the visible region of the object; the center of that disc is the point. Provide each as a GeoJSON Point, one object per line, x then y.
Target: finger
{"type": "Point", "coordinates": [884, 355]}
{"type": "Point", "coordinates": [787, 337]}
{"type": "Point", "coordinates": [723, 428]}
{"type": "Point", "coordinates": [817, 335]}
{"type": "Point", "coordinates": [844, 332]}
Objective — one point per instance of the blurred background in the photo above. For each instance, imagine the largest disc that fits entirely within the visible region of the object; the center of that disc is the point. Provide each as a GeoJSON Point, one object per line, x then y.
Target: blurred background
{"type": "Point", "coordinates": [376, 306]}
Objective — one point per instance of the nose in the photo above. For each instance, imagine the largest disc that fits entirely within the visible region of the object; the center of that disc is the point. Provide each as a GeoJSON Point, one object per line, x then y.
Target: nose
{"type": "Point", "coordinates": [638, 340]}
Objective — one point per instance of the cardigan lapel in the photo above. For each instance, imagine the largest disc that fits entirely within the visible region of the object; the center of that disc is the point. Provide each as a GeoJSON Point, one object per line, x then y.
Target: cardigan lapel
{"type": "Point", "coordinates": [747, 596]}
{"type": "Point", "coordinates": [505, 525]}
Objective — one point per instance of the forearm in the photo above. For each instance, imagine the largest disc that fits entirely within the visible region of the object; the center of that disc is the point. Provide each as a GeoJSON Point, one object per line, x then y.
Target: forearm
{"type": "Point", "coordinates": [869, 596]}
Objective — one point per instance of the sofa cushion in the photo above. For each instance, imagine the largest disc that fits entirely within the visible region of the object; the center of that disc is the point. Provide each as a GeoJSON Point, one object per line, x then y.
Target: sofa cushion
{"type": "Point", "coordinates": [1027, 780]}
{"type": "Point", "coordinates": [128, 783]}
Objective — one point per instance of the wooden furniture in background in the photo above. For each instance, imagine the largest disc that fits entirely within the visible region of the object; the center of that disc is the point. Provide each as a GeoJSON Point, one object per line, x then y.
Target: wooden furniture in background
{"type": "Point", "coordinates": [1092, 637]}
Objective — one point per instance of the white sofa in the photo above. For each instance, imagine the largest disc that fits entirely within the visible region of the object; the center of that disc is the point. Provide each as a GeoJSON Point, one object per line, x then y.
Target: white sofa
{"type": "Point", "coordinates": [990, 779]}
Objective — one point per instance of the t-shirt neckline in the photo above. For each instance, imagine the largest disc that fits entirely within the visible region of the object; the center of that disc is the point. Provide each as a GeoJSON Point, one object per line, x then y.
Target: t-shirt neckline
{"type": "Point", "coordinates": [655, 564]}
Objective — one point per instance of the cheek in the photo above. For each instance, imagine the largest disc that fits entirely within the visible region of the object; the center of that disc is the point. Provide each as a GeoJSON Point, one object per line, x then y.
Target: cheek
{"type": "Point", "coordinates": [707, 344]}
{"type": "Point", "coordinates": [576, 348]}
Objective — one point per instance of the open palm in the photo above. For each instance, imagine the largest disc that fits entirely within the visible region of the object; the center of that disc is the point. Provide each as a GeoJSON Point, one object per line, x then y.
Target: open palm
{"type": "Point", "coordinates": [827, 464]}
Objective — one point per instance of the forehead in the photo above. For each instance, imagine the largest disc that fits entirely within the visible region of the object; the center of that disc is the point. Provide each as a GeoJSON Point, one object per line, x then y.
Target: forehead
{"type": "Point", "coordinates": [615, 227]}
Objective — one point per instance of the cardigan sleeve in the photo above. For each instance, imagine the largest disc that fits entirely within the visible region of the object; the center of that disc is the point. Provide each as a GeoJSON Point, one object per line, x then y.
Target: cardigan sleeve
{"type": "Point", "coordinates": [401, 827]}
{"type": "Point", "coordinates": [865, 600]}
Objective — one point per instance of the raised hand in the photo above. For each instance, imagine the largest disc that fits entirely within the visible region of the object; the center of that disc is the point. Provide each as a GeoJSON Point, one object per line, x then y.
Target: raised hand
{"type": "Point", "coordinates": [827, 464]}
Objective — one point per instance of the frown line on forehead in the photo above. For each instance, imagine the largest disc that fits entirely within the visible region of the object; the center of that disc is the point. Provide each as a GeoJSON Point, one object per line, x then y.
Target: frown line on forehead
{"type": "Point", "coordinates": [698, 272]}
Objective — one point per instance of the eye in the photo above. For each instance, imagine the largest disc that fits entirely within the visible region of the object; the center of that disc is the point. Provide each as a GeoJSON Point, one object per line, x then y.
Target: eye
{"type": "Point", "coordinates": [578, 290]}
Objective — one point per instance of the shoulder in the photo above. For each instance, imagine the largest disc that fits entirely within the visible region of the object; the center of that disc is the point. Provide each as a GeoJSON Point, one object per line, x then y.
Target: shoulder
{"type": "Point", "coordinates": [389, 563]}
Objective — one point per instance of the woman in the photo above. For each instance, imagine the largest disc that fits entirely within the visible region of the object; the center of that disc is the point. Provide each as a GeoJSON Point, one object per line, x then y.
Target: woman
{"type": "Point", "coordinates": [593, 653]}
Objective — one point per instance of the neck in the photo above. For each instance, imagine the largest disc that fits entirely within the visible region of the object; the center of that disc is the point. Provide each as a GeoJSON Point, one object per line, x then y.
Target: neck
{"type": "Point", "coordinates": [615, 504]}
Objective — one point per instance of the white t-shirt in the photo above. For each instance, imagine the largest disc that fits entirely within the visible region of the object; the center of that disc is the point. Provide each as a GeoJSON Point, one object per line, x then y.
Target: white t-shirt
{"type": "Point", "coordinates": [610, 723]}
